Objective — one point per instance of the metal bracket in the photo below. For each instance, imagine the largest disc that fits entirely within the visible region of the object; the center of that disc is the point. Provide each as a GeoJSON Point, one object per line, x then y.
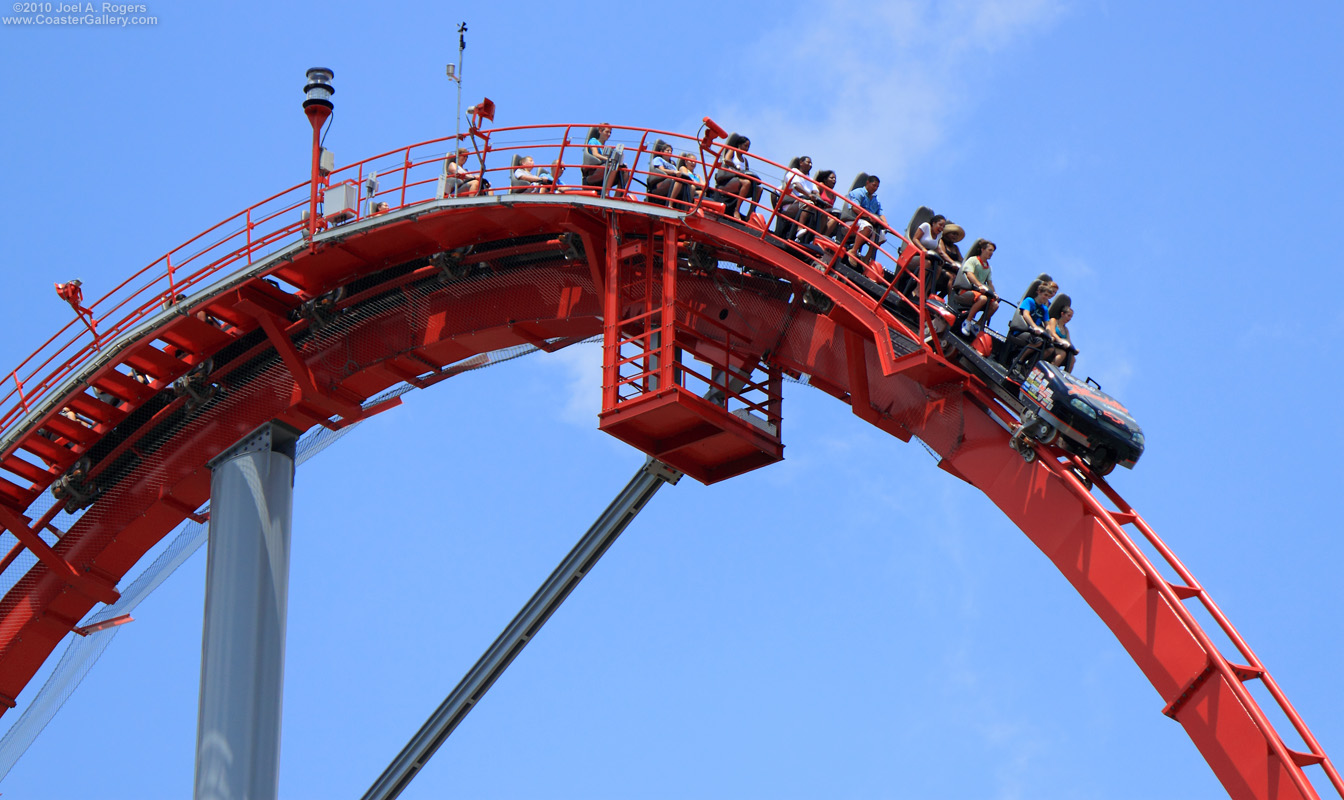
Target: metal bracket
{"type": "Point", "coordinates": [320, 311]}
{"type": "Point", "coordinates": [1243, 673]}
{"type": "Point", "coordinates": [85, 630]}
{"type": "Point", "coordinates": [273, 437]}
{"type": "Point", "coordinates": [73, 490]}
{"type": "Point", "coordinates": [196, 386]}
{"type": "Point", "coordinates": [317, 404]}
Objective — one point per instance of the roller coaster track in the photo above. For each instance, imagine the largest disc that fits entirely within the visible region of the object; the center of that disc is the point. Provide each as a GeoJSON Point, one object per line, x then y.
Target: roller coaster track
{"type": "Point", "coordinates": [253, 321]}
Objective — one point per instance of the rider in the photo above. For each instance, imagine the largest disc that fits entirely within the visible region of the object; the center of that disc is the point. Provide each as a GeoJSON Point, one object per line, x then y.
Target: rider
{"type": "Point", "coordinates": [974, 285]}
{"type": "Point", "coordinates": [1028, 331]}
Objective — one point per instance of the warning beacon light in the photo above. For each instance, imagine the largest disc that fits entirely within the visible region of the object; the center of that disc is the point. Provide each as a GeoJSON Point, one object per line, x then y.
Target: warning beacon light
{"type": "Point", "coordinates": [319, 90]}
{"type": "Point", "coordinates": [317, 108]}
{"type": "Point", "coordinates": [71, 293]}
{"type": "Point", "coordinates": [484, 109]}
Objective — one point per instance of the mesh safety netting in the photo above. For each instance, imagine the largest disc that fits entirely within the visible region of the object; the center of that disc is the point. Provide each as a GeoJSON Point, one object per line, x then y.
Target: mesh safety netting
{"type": "Point", "coordinates": [83, 652]}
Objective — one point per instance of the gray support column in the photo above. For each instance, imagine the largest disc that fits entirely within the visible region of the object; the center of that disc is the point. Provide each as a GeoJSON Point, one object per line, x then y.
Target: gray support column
{"type": "Point", "coordinates": [246, 598]}
{"type": "Point", "coordinates": [648, 479]}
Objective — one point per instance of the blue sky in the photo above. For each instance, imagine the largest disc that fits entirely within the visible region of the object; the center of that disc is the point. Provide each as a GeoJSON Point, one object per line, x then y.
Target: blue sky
{"type": "Point", "coordinates": [851, 622]}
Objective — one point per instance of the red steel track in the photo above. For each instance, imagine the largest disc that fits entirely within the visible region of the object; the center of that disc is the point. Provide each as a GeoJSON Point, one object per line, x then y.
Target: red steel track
{"type": "Point", "coordinates": [547, 270]}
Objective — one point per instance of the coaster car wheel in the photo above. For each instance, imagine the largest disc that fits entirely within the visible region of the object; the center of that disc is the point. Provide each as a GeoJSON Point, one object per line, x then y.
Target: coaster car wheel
{"type": "Point", "coordinates": [1102, 461]}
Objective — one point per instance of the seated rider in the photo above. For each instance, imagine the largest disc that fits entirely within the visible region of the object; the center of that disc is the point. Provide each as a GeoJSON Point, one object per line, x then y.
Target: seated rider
{"type": "Point", "coordinates": [686, 164]}
{"type": "Point", "coordinates": [663, 172]}
{"type": "Point", "coordinates": [797, 199]}
{"type": "Point", "coordinates": [941, 268]}
{"type": "Point", "coordinates": [974, 286]}
{"type": "Point", "coordinates": [952, 234]}
{"type": "Point", "coordinates": [600, 160]}
{"type": "Point", "coordinates": [867, 210]}
{"type": "Point", "coordinates": [523, 179]}
{"type": "Point", "coordinates": [737, 186]}
{"type": "Point", "coordinates": [1061, 311]}
{"type": "Point", "coordinates": [1027, 329]}
{"type": "Point", "coordinates": [458, 182]}
{"type": "Point", "coordinates": [827, 223]}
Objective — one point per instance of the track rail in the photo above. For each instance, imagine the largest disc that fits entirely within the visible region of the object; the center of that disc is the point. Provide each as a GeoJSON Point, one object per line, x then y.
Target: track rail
{"type": "Point", "coordinates": [278, 327]}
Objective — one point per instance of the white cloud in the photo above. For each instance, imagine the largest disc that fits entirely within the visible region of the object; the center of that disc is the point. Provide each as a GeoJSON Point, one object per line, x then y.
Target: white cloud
{"type": "Point", "coordinates": [871, 87]}
{"type": "Point", "coordinates": [582, 399]}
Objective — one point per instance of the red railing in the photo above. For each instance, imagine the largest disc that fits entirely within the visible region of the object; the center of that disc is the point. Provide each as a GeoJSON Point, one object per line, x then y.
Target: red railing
{"type": "Point", "coordinates": [278, 221]}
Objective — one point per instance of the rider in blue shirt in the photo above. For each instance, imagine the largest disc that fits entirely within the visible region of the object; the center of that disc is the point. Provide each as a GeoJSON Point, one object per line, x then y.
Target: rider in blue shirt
{"type": "Point", "coordinates": [1027, 327]}
{"type": "Point", "coordinates": [865, 197]}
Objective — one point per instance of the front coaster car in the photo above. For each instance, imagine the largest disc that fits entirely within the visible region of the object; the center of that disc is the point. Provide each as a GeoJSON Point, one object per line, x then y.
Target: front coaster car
{"type": "Point", "coordinates": [1093, 424]}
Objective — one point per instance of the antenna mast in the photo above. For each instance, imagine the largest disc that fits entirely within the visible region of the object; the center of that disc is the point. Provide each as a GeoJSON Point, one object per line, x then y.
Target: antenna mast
{"type": "Point", "coordinates": [456, 76]}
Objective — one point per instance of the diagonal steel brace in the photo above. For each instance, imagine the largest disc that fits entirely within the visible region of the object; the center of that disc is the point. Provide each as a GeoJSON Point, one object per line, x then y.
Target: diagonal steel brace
{"type": "Point", "coordinates": [478, 680]}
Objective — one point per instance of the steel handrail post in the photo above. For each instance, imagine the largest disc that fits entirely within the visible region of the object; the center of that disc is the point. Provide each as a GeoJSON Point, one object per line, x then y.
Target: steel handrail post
{"type": "Point", "coordinates": [785, 193]}
{"type": "Point", "coordinates": [18, 385]}
{"type": "Point", "coordinates": [835, 257]}
{"type": "Point", "coordinates": [709, 171]}
{"type": "Point", "coordinates": [634, 166]}
{"type": "Point", "coordinates": [923, 297]}
{"type": "Point", "coordinates": [172, 287]}
{"type": "Point", "coordinates": [405, 168]}
{"type": "Point", "coordinates": [359, 192]}
{"type": "Point", "coordinates": [560, 165]}
{"type": "Point", "coordinates": [891, 284]}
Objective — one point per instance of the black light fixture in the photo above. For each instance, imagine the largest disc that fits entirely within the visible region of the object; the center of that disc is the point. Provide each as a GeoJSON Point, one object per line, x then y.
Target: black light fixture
{"type": "Point", "coordinates": [319, 89]}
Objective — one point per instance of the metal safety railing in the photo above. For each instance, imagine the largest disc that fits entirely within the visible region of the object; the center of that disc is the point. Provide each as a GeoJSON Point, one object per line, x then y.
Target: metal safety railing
{"type": "Point", "coordinates": [409, 176]}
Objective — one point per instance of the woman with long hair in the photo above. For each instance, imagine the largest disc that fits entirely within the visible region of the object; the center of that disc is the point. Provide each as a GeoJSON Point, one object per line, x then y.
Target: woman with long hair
{"type": "Point", "coordinates": [1061, 312]}
{"type": "Point", "coordinates": [736, 184]}
{"type": "Point", "coordinates": [797, 200]}
{"type": "Point", "coordinates": [665, 182]}
{"type": "Point", "coordinates": [598, 160]}
{"type": "Point", "coordinates": [973, 287]}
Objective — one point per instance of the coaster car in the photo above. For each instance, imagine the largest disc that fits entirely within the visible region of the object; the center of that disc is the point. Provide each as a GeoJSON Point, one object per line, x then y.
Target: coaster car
{"type": "Point", "coordinates": [1087, 421]}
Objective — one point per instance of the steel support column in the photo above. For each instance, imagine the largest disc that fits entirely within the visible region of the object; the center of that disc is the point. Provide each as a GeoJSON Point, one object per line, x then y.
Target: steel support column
{"type": "Point", "coordinates": [478, 680]}
{"type": "Point", "coordinates": [246, 597]}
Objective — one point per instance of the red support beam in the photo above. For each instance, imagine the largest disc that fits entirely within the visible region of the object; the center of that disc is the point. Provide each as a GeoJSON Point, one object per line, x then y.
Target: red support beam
{"type": "Point", "coordinates": [85, 584]}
